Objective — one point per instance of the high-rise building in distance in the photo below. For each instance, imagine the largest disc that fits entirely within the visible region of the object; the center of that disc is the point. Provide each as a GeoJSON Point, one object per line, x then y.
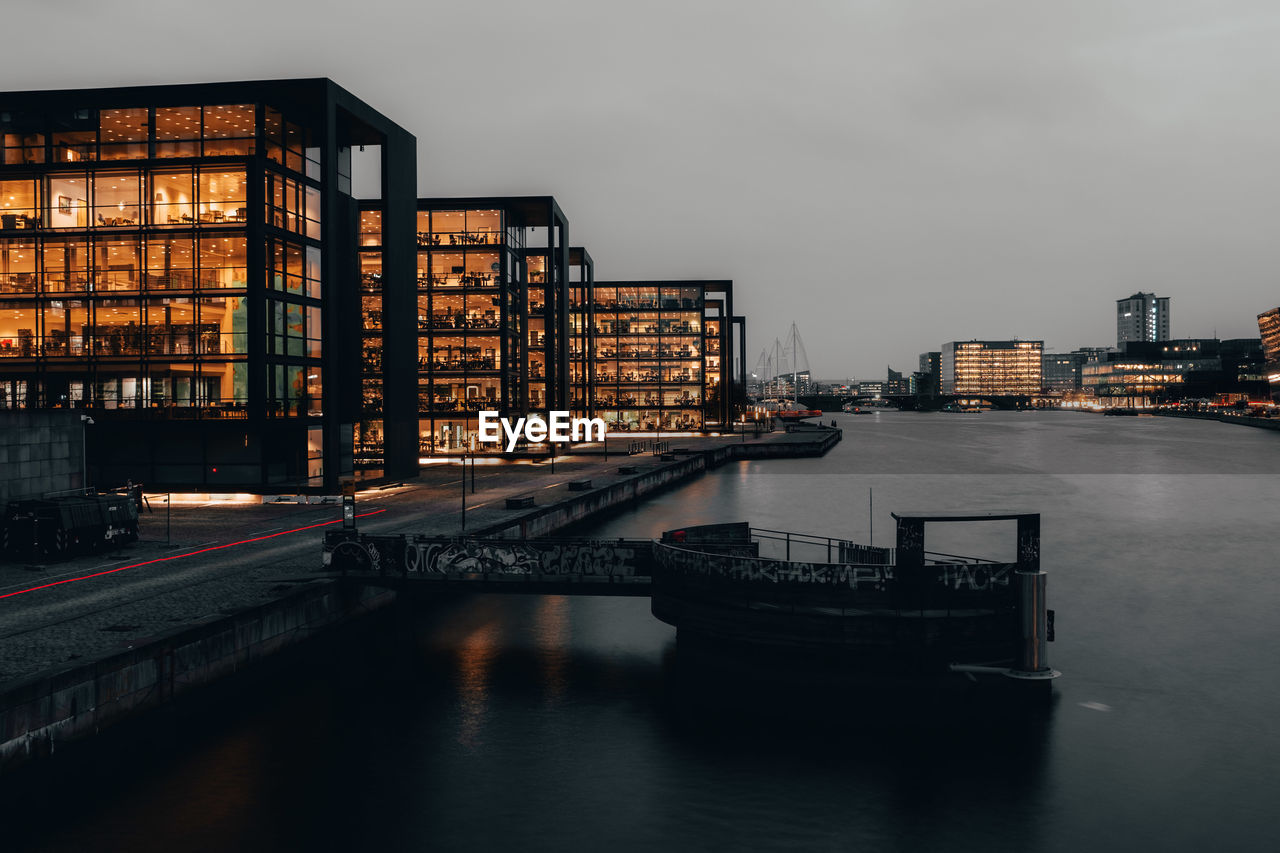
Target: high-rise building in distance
{"type": "Point", "coordinates": [1142, 317]}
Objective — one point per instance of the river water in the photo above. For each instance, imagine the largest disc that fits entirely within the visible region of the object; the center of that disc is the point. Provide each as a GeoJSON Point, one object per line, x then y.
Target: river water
{"type": "Point", "coordinates": [546, 723]}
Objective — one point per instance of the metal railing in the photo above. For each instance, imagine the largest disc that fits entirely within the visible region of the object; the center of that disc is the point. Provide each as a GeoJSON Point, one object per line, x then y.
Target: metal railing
{"type": "Point", "coordinates": [786, 545]}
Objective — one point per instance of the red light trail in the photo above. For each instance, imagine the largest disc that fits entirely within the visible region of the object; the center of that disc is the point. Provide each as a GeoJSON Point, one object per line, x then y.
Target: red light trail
{"type": "Point", "coordinates": [183, 556]}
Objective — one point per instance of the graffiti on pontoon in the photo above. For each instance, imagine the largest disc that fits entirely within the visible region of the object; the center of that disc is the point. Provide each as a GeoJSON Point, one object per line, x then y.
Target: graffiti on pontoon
{"type": "Point", "coordinates": [974, 577]}
{"type": "Point", "coordinates": [586, 558]}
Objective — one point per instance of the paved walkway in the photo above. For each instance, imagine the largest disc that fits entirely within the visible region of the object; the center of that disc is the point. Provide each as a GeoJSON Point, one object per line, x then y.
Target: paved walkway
{"type": "Point", "coordinates": [215, 559]}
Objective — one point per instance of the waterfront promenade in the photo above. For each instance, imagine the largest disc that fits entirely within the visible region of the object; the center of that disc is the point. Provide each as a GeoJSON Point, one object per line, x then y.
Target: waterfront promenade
{"type": "Point", "coordinates": [224, 562]}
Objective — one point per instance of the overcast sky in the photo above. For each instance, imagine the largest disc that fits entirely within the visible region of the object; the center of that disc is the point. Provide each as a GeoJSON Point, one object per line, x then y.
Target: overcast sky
{"type": "Point", "coordinates": [890, 174]}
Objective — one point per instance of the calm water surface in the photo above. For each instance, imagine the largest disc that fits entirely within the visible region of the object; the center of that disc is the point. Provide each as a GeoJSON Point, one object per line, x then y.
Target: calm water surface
{"type": "Point", "coordinates": [546, 723]}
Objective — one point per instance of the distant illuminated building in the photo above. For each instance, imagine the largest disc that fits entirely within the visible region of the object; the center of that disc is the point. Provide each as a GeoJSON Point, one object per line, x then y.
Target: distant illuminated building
{"type": "Point", "coordinates": [1130, 380]}
{"type": "Point", "coordinates": [992, 367]}
{"type": "Point", "coordinates": [1142, 317]}
{"type": "Point", "coordinates": [1269, 327]}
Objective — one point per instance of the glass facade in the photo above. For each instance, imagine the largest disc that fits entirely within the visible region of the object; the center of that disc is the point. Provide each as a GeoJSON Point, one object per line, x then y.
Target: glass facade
{"type": "Point", "coordinates": [581, 327]}
{"type": "Point", "coordinates": [1012, 368]}
{"type": "Point", "coordinates": [371, 431]}
{"type": "Point", "coordinates": [1269, 329]}
{"type": "Point", "coordinates": [472, 320]}
{"type": "Point", "coordinates": [166, 263]}
{"type": "Point", "coordinates": [659, 355]}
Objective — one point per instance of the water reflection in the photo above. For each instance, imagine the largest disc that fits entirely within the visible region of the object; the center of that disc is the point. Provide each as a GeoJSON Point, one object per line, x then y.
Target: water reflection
{"type": "Point", "coordinates": [834, 756]}
{"type": "Point", "coordinates": [551, 628]}
{"type": "Point", "coordinates": [475, 655]}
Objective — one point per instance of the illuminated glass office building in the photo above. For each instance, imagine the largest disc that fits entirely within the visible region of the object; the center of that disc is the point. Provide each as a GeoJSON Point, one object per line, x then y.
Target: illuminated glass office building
{"type": "Point", "coordinates": [1000, 368]}
{"type": "Point", "coordinates": [493, 329]}
{"type": "Point", "coordinates": [1269, 328]}
{"type": "Point", "coordinates": [581, 331]}
{"type": "Point", "coordinates": [663, 354]}
{"type": "Point", "coordinates": [189, 266]}
{"type": "Point", "coordinates": [180, 262]}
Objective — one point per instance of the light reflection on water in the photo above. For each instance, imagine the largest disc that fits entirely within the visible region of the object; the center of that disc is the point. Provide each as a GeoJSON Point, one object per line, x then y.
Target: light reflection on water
{"type": "Point", "coordinates": [476, 652]}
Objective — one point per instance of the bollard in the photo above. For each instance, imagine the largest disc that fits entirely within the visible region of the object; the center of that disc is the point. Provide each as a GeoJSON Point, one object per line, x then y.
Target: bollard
{"type": "Point", "coordinates": [1032, 622]}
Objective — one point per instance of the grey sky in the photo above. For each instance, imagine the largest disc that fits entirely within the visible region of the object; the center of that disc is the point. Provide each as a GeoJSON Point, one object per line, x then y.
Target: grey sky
{"type": "Point", "coordinates": [890, 175]}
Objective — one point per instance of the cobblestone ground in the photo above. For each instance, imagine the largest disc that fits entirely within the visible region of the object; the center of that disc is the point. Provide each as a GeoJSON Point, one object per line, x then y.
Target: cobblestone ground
{"type": "Point", "coordinates": [202, 561]}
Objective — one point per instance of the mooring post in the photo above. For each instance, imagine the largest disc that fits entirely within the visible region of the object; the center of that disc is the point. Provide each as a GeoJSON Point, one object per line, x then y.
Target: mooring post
{"type": "Point", "coordinates": [1032, 610]}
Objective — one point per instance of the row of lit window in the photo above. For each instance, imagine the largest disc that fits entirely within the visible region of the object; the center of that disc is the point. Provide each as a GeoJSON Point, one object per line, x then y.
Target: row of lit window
{"type": "Point", "coordinates": [138, 133]}
{"type": "Point", "coordinates": [124, 327]}
{"type": "Point", "coordinates": [162, 385]}
{"type": "Point", "coordinates": [122, 263]}
{"type": "Point", "coordinates": [170, 197]}
{"type": "Point", "coordinates": [441, 228]}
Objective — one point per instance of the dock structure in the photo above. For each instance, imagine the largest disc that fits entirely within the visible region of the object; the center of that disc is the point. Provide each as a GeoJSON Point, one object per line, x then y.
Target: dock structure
{"type": "Point", "coordinates": [904, 608]}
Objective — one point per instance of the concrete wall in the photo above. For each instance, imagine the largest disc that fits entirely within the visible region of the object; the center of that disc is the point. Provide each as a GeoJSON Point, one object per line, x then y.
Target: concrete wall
{"type": "Point", "coordinates": [1260, 423]}
{"type": "Point", "coordinates": [40, 451]}
{"type": "Point", "coordinates": [39, 713]}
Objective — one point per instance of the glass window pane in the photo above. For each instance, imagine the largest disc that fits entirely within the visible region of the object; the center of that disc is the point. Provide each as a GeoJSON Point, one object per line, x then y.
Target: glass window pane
{"type": "Point", "coordinates": [294, 269]}
{"type": "Point", "coordinates": [312, 212]}
{"type": "Point", "coordinates": [74, 146]}
{"type": "Point", "coordinates": [17, 266]}
{"type": "Point", "coordinates": [314, 332]}
{"type": "Point", "coordinates": [484, 226]}
{"type": "Point", "coordinates": [19, 204]}
{"type": "Point", "coordinates": [293, 143]}
{"type": "Point", "coordinates": [68, 200]}
{"type": "Point", "coordinates": [117, 328]}
{"type": "Point", "coordinates": [172, 198]}
{"type": "Point", "coordinates": [177, 131]}
{"type": "Point", "coordinates": [23, 148]}
{"type": "Point", "coordinates": [371, 228]}
{"type": "Point", "coordinates": [448, 221]}
{"type": "Point", "coordinates": [273, 133]}
{"type": "Point", "coordinates": [65, 328]}
{"type": "Point", "coordinates": [171, 326]}
{"type": "Point", "coordinates": [224, 325]}
{"type": "Point", "coordinates": [123, 134]}
{"type": "Point", "coordinates": [223, 261]}
{"type": "Point", "coordinates": [228, 130]}
{"type": "Point", "coordinates": [222, 196]}
{"type": "Point", "coordinates": [313, 272]}
{"type": "Point", "coordinates": [170, 263]}
{"type": "Point", "coordinates": [115, 199]}
{"type": "Point", "coordinates": [66, 265]}
{"type": "Point", "coordinates": [117, 264]}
